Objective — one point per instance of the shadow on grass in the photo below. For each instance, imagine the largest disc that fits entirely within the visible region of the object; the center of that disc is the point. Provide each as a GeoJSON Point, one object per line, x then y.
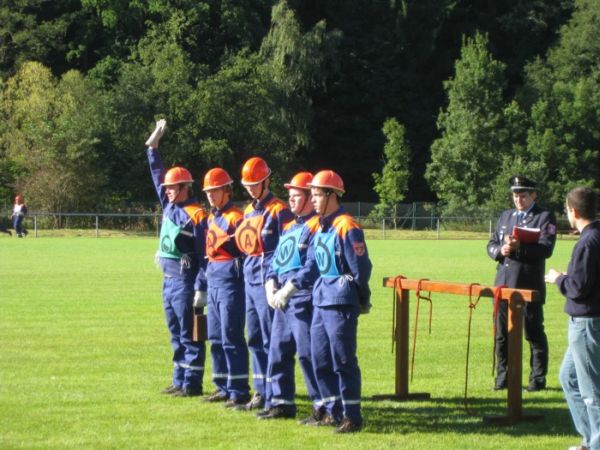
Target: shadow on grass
{"type": "Point", "coordinates": [449, 415]}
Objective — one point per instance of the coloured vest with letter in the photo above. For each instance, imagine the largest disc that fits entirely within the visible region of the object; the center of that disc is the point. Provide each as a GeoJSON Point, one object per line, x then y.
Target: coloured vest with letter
{"type": "Point", "coordinates": [248, 235]}
{"type": "Point", "coordinates": [287, 256]}
{"type": "Point", "coordinates": [168, 233]}
{"type": "Point", "coordinates": [215, 238]}
{"type": "Point", "coordinates": [324, 248]}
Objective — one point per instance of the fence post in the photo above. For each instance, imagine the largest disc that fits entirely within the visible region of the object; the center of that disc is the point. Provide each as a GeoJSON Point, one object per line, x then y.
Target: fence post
{"type": "Point", "coordinates": [96, 226]}
{"type": "Point", "coordinates": [490, 229]}
{"type": "Point", "coordinates": [438, 228]}
{"type": "Point", "coordinates": [383, 225]}
{"type": "Point", "coordinates": [35, 225]}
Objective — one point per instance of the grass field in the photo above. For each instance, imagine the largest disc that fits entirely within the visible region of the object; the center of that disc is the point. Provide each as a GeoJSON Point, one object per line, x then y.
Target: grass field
{"type": "Point", "coordinates": [84, 352]}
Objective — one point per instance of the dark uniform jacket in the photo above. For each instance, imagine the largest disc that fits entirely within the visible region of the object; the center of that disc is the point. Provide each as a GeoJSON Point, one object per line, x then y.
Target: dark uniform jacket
{"type": "Point", "coordinates": [525, 268]}
{"type": "Point", "coordinates": [581, 285]}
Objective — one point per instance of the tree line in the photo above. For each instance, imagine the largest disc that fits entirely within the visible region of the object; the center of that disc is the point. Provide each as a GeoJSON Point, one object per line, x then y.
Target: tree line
{"type": "Point", "coordinates": [408, 100]}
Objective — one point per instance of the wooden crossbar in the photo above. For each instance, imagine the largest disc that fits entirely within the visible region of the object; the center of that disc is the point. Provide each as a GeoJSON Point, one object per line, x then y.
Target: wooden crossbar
{"type": "Point", "coordinates": [515, 299]}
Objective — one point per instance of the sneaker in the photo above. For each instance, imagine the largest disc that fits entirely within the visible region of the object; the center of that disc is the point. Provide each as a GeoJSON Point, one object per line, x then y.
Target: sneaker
{"type": "Point", "coordinates": [216, 397]}
{"type": "Point", "coordinates": [256, 402]}
{"type": "Point", "coordinates": [278, 412]}
{"type": "Point", "coordinates": [188, 392]}
{"type": "Point", "coordinates": [170, 389]}
{"type": "Point", "coordinates": [347, 426]}
{"type": "Point", "coordinates": [236, 402]}
{"type": "Point", "coordinates": [317, 416]}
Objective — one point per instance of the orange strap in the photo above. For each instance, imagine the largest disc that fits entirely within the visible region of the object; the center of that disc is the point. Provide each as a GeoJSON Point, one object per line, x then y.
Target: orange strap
{"type": "Point", "coordinates": [472, 306]}
{"type": "Point", "coordinates": [397, 286]}
{"type": "Point", "coordinates": [419, 298]}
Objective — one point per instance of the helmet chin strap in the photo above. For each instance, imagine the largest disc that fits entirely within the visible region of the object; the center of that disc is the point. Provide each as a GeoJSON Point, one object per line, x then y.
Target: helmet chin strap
{"type": "Point", "coordinates": [306, 197]}
{"type": "Point", "coordinates": [327, 194]}
{"type": "Point", "coordinates": [262, 189]}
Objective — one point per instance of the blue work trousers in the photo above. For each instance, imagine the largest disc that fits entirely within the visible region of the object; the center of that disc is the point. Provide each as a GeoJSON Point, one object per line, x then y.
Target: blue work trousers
{"type": "Point", "coordinates": [333, 351]}
{"type": "Point", "coordinates": [226, 318]}
{"type": "Point", "coordinates": [188, 356]}
{"type": "Point", "coordinates": [290, 335]}
{"type": "Point", "coordinates": [580, 378]}
{"type": "Point", "coordinates": [259, 318]}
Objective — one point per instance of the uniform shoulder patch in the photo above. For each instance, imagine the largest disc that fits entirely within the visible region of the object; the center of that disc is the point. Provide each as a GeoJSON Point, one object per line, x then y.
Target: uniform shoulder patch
{"type": "Point", "coordinates": [359, 248]}
{"type": "Point", "coordinates": [551, 228]}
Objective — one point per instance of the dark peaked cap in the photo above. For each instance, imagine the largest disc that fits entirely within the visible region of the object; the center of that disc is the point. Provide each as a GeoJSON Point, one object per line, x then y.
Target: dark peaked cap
{"type": "Point", "coordinates": [519, 183]}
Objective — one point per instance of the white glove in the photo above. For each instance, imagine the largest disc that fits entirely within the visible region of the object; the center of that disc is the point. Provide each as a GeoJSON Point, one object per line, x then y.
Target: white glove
{"type": "Point", "coordinates": [154, 138]}
{"type": "Point", "coordinates": [283, 295]}
{"type": "Point", "coordinates": [270, 290]}
{"type": "Point", "coordinates": [200, 299]}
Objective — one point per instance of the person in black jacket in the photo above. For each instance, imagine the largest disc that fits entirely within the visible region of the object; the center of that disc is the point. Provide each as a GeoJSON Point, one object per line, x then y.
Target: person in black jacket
{"type": "Point", "coordinates": [581, 287]}
{"type": "Point", "coordinates": [521, 265]}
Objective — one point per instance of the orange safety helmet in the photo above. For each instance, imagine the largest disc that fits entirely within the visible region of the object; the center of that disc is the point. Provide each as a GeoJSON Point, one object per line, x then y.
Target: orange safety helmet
{"type": "Point", "coordinates": [216, 178]}
{"type": "Point", "coordinates": [177, 175]}
{"type": "Point", "coordinates": [254, 171]}
{"type": "Point", "coordinates": [300, 181]}
{"type": "Point", "coordinates": [328, 179]}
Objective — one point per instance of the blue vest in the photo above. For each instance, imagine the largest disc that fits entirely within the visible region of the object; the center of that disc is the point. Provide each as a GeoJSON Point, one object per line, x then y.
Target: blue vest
{"type": "Point", "coordinates": [287, 255]}
{"type": "Point", "coordinates": [324, 247]}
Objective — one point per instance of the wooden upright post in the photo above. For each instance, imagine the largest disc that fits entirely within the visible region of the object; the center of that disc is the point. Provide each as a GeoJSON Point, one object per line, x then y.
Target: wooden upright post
{"type": "Point", "coordinates": [401, 335]}
{"type": "Point", "coordinates": [401, 339]}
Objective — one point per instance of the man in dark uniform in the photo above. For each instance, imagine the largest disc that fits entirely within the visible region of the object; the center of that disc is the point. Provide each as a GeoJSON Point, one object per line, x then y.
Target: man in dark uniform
{"type": "Point", "coordinates": [521, 265]}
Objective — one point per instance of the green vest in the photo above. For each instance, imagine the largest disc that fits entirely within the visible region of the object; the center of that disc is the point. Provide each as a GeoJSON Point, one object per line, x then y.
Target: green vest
{"type": "Point", "coordinates": [168, 233]}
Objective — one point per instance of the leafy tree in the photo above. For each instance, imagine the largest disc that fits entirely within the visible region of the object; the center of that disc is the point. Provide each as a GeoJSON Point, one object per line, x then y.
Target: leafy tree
{"type": "Point", "coordinates": [475, 136]}
{"type": "Point", "coordinates": [298, 63]}
{"type": "Point", "coordinates": [391, 185]}
{"type": "Point", "coordinates": [564, 96]}
{"type": "Point", "coordinates": [50, 136]}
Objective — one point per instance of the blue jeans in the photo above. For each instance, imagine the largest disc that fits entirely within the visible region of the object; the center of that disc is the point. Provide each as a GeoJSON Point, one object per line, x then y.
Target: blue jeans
{"type": "Point", "coordinates": [580, 378]}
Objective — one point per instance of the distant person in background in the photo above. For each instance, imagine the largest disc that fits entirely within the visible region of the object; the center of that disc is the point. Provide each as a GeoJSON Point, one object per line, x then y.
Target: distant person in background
{"type": "Point", "coordinates": [580, 370]}
{"type": "Point", "coordinates": [226, 302]}
{"type": "Point", "coordinates": [521, 266]}
{"type": "Point", "coordinates": [181, 258]}
{"type": "Point", "coordinates": [18, 214]}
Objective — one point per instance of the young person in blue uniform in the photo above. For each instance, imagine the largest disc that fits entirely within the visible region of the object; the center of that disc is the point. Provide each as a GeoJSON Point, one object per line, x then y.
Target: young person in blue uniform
{"type": "Point", "coordinates": [580, 369]}
{"type": "Point", "coordinates": [257, 237]}
{"type": "Point", "coordinates": [340, 294]}
{"type": "Point", "coordinates": [521, 265]}
{"type": "Point", "coordinates": [226, 304]}
{"type": "Point", "coordinates": [289, 292]}
{"type": "Point", "coordinates": [181, 258]}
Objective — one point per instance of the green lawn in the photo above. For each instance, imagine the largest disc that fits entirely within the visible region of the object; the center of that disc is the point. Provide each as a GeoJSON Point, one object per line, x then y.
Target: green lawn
{"type": "Point", "coordinates": [84, 352]}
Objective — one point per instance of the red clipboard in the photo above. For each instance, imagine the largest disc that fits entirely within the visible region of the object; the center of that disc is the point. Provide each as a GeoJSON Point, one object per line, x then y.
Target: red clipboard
{"type": "Point", "coordinates": [527, 235]}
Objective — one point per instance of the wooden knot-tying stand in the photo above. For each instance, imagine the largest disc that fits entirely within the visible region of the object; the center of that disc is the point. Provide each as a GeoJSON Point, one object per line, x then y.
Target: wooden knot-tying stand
{"type": "Point", "coordinates": [515, 299]}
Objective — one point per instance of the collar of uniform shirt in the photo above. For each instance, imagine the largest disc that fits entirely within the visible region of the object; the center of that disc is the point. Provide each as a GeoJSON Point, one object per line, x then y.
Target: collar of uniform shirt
{"type": "Point", "coordinates": [524, 213]}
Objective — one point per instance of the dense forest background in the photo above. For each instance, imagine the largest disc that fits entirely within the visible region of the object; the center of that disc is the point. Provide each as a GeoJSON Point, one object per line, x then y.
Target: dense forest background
{"type": "Point", "coordinates": [414, 100]}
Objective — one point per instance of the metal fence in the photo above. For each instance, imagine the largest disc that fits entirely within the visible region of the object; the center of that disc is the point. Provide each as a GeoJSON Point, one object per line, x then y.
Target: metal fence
{"type": "Point", "coordinates": [148, 224]}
